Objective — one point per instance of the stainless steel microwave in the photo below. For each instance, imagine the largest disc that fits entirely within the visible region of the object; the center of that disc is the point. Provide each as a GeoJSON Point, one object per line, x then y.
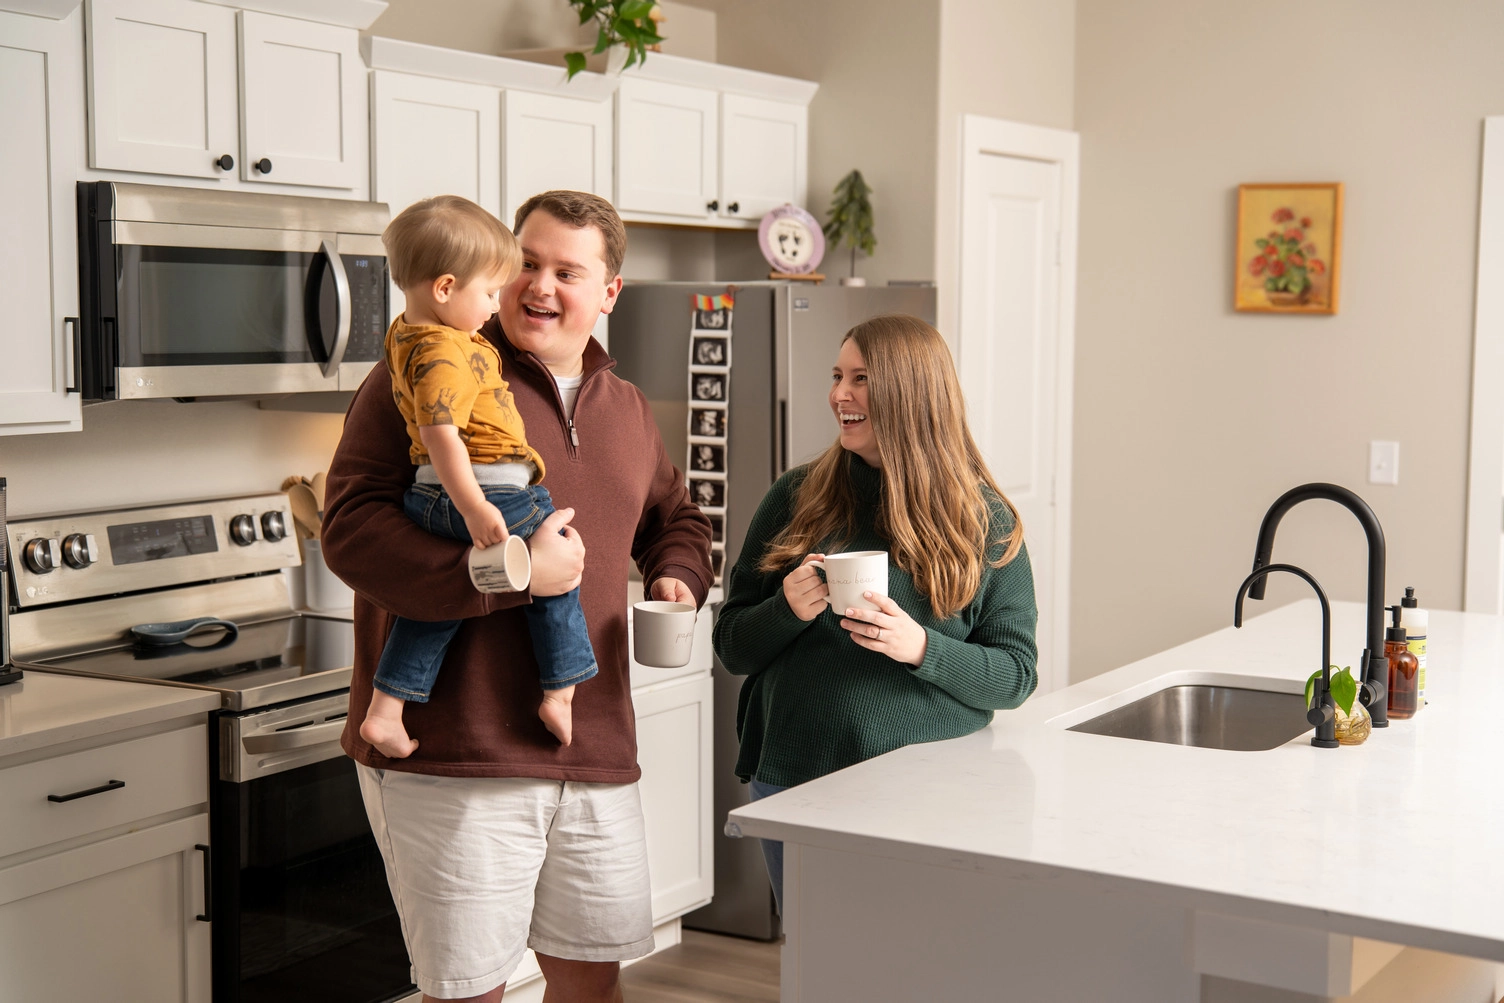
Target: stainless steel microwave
{"type": "Point", "coordinates": [189, 292]}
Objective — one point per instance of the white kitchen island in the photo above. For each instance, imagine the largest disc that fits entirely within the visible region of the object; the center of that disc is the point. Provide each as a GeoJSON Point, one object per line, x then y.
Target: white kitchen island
{"type": "Point", "coordinates": [1030, 863]}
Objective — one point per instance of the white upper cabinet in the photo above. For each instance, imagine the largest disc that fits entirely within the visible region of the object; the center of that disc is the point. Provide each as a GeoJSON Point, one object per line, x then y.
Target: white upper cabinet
{"type": "Point", "coordinates": [553, 142]}
{"type": "Point", "coordinates": [666, 148]}
{"type": "Point", "coordinates": [408, 108]}
{"type": "Point", "coordinates": [42, 122]}
{"type": "Point", "coordinates": [165, 96]}
{"type": "Point", "coordinates": [764, 155]}
{"type": "Point", "coordinates": [708, 144]}
{"type": "Point", "coordinates": [302, 102]}
{"type": "Point", "coordinates": [162, 96]}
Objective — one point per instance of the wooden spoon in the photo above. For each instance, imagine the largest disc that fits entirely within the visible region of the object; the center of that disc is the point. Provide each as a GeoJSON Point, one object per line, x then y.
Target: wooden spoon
{"type": "Point", "coordinates": [317, 484]}
{"type": "Point", "coordinates": [305, 510]}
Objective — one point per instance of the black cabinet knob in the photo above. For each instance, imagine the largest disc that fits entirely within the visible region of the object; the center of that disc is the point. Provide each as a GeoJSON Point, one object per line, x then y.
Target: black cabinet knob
{"type": "Point", "coordinates": [735, 207]}
{"type": "Point", "coordinates": [713, 205]}
{"type": "Point", "coordinates": [263, 165]}
{"type": "Point", "coordinates": [225, 163]}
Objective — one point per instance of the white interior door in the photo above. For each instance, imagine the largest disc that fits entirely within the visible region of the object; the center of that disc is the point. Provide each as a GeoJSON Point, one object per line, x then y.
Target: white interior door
{"type": "Point", "coordinates": [1013, 238]}
{"type": "Point", "coordinates": [468, 116]}
{"type": "Point", "coordinates": [552, 142]}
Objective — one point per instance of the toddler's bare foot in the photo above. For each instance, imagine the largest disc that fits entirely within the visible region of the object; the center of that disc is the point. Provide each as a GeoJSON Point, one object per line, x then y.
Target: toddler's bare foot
{"type": "Point", "coordinates": [557, 714]}
{"type": "Point", "coordinates": [383, 727]}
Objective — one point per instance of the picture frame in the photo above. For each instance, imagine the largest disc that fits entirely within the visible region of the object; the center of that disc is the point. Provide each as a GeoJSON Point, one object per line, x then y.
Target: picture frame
{"type": "Point", "coordinates": [1289, 248]}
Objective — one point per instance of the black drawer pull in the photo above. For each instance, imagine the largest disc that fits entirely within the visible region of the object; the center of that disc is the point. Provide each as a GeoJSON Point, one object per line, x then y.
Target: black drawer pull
{"type": "Point", "coordinates": [207, 916]}
{"type": "Point", "coordinates": [113, 785]}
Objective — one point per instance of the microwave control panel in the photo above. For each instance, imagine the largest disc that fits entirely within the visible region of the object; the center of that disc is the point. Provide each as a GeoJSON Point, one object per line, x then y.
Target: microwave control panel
{"type": "Point", "coordinates": [369, 305]}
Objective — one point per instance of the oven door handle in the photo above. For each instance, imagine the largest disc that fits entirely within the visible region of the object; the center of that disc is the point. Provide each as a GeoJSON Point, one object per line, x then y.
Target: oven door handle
{"type": "Point", "coordinates": [294, 738]}
{"type": "Point", "coordinates": [341, 309]}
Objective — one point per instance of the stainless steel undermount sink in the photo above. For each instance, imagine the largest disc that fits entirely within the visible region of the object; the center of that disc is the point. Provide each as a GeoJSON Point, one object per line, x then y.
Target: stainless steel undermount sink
{"type": "Point", "coordinates": [1210, 717]}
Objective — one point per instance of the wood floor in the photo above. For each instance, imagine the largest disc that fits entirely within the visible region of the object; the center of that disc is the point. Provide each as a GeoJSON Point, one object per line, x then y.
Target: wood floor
{"type": "Point", "coordinates": [705, 968]}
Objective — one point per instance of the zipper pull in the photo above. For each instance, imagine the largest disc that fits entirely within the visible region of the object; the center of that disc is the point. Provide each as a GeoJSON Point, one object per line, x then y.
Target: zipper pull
{"type": "Point", "coordinates": [573, 435]}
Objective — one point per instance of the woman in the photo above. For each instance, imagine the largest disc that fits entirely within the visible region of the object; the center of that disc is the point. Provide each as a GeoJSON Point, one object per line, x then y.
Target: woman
{"type": "Point", "coordinates": [954, 638]}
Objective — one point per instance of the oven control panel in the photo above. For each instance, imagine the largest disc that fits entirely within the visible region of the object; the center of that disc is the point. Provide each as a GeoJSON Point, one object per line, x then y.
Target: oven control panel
{"type": "Point", "coordinates": [87, 555]}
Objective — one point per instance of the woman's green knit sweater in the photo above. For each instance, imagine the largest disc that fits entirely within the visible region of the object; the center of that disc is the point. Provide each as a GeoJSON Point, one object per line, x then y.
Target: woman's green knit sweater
{"type": "Point", "coordinates": [816, 702]}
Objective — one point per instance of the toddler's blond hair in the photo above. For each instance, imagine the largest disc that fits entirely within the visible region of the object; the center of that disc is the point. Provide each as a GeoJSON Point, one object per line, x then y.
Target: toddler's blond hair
{"type": "Point", "coordinates": [448, 235]}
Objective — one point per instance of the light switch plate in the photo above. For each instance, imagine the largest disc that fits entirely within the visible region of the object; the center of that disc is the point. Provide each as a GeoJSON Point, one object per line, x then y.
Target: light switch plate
{"type": "Point", "coordinates": [1383, 462]}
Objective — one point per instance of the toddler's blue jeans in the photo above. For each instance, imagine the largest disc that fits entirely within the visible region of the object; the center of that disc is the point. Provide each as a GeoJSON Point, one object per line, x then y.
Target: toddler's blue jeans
{"type": "Point", "coordinates": [415, 648]}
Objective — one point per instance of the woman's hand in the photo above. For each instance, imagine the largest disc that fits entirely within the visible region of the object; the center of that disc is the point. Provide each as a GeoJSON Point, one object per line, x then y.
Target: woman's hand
{"type": "Point", "coordinates": [889, 631]}
{"type": "Point", "coordinates": [558, 560]}
{"type": "Point", "coordinates": [804, 590]}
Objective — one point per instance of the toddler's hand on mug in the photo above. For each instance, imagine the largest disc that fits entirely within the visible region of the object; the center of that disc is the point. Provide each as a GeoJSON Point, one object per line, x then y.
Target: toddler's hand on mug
{"type": "Point", "coordinates": [804, 590]}
{"type": "Point", "coordinates": [485, 525]}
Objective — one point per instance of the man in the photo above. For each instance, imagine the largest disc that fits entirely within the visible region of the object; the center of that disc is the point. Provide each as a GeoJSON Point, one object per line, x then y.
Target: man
{"type": "Point", "coordinates": [497, 838]}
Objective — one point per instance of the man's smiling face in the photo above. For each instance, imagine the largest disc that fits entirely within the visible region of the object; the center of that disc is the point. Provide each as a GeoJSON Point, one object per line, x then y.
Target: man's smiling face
{"type": "Point", "coordinates": [550, 309]}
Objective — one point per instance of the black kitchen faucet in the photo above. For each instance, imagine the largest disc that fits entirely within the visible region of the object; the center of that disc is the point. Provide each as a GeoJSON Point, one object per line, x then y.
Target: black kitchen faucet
{"type": "Point", "coordinates": [1375, 689]}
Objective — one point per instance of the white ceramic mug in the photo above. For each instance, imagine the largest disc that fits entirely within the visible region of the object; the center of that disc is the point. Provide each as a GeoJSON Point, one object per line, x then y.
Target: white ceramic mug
{"type": "Point", "coordinates": [849, 575]}
{"type": "Point", "coordinates": [662, 633]}
{"type": "Point", "coordinates": [502, 567]}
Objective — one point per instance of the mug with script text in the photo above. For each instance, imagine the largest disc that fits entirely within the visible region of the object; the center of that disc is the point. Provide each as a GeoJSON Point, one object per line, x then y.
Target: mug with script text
{"type": "Point", "coordinates": [849, 575]}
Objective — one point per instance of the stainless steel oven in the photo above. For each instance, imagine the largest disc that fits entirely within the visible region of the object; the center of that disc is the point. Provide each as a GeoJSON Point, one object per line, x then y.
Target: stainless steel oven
{"type": "Point", "coordinates": [301, 907]}
{"type": "Point", "coordinates": [189, 292]}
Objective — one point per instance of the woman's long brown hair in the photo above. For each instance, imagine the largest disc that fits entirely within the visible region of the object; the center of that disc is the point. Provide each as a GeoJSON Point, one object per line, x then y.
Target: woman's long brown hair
{"type": "Point", "coordinates": [934, 509]}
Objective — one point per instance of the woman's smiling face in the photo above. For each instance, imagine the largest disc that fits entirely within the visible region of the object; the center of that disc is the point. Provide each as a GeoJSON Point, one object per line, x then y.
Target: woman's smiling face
{"type": "Point", "coordinates": [849, 403]}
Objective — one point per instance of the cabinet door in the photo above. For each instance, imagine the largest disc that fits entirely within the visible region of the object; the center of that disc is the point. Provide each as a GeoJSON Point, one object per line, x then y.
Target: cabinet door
{"type": "Point", "coordinates": [553, 142]}
{"type": "Point", "coordinates": [161, 86]}
{"type": "Point", "coordinates": [406, 108]}
{"type": "Point", "coordinates": [764, 155]}
{"type": "Point", "coordinates": [665, 149]}
{"type": "Point", "coordinates": [302, 102]}
{"type": "Point", "coordinates": [674, 749]}
{"type": "Point", "coordinates": [112, 920]}
{"type": "Point", "coordinates": [41, 120]}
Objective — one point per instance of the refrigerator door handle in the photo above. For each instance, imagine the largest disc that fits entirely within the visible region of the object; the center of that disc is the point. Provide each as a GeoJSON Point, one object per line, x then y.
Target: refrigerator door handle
{"type": "Point", "coordinates": [783, 439]}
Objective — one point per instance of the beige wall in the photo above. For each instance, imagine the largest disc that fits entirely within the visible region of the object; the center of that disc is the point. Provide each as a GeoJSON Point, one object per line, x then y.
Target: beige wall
{"type": "Point", "coordinates": [1008, 59]}
{"type": "Point", "coordinates": [497, 26]}
{"type": "Point", "coordinates": [1190, 418]}
{"type": "Point", "coordinates": [876, 65]}
{"type": "Point", "coordinates": [148, 452]}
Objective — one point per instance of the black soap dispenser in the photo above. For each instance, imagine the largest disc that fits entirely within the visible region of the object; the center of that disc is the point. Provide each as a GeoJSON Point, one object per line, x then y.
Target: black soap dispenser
{"type": "Point", "coordinates": [1404, 670]}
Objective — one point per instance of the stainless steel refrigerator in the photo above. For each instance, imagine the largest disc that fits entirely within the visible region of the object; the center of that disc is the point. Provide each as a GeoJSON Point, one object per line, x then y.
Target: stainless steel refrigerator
{"type": "Point", "coordinates": [783, 341]}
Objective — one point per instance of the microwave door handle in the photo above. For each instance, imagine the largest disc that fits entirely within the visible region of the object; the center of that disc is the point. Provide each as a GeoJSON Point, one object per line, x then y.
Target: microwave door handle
{"type": "Point", "coordinates": [341, 309]}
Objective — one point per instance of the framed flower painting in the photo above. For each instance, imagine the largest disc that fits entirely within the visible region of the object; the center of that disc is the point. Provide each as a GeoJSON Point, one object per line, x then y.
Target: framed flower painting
{"type": "Point", "coordinates": [1289, 248]}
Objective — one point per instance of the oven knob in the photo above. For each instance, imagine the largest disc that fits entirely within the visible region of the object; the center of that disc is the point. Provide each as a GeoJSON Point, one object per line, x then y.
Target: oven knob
{"type": "Point", "coordinates": [243, 530]}
{"type": "Point", "coordinates": [80, 550]}
{"type": "Point", "coordinates": [42, 555]}
{"type": "Point", "coordinates": [273, 526]}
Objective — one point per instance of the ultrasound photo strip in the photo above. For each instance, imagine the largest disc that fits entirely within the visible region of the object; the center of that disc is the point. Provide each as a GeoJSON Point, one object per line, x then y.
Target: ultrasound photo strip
{"type": "Point", "coordinates": [709, 396]}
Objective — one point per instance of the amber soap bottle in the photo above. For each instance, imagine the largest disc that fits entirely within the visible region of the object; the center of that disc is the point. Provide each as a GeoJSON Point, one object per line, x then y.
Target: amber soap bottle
{"type": "Point", "coordinates": [1404, 670]}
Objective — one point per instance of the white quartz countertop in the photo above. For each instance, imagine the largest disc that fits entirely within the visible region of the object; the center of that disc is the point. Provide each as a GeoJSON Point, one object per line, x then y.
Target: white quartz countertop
{"type": "Point", "coordinates": [46, 709]}
{"type": "Point", "coordinates": [1399, 839]}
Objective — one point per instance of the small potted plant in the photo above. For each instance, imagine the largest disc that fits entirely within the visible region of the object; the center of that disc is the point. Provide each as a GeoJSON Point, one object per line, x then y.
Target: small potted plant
{"type": "Point", "coordinates": [1286, 260]}
{"type": "Point", "coordinates": [630, 23]}
{"type": "Point", "coordinates": [851, 221]}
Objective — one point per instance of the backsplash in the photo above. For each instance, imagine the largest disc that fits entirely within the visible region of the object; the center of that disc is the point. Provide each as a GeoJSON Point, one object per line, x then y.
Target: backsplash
{"type": "Point", "coordinates": [146, 452]}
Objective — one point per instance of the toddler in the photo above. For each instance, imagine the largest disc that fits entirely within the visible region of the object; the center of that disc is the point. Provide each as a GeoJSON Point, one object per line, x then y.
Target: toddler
{"type": "Point", "coordinates": [477, 478]}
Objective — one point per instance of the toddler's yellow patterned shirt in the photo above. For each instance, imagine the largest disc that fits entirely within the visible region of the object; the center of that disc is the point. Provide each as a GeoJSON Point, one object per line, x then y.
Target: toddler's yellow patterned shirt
{"type": "Point", "coordinates": [442, 376]}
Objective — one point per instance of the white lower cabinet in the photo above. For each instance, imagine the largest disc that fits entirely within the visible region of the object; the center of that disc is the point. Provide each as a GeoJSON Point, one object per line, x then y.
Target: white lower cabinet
{"type": "Point", "coordinates": [103, 866]}
{"type": "Point", "coordinates": [674, 748]}
{"type": "Point", "coordinates": [42, 122]}
{"type": "Point", "coordinates": [112, 920]}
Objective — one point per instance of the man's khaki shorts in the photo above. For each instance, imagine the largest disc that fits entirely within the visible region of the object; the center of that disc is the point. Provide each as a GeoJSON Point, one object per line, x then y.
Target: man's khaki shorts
{"type": "Point", "coordinates": [483, 868]}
